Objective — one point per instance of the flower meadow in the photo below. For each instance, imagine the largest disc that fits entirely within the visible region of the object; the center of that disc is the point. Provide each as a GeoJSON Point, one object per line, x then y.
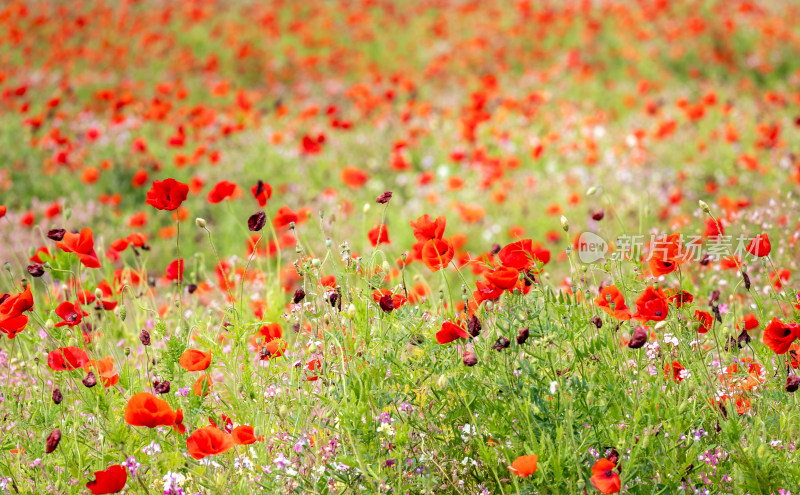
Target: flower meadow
{"type": "Point", "coordinates": [372, 246]}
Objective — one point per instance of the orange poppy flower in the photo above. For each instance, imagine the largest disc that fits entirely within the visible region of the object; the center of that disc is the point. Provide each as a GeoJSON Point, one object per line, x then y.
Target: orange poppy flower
{"type": "Point", "coordinates": [12, 319]}
{"type": "Point", "coordinates": [779, 336]}
{"type": "Point", "coordinates": [426, 229]}
{"type": "Point", "coordinates": [437, 254]}
{"type": "Point", "coordinates": [611, 295]}
{"type": "Point", "coordinates": [524, 466]}
{"type": "Point", "coordinates": [202, 385]}
{"type": "Point", "coordinates": [243, 435]}
{"type": "Point", "coordinates": [105, 369]}
{"type": "Point", "coordinates": [207, 441]}
{"type": "Point", "coordinates": [82, 245]}
{"type": "Point", "coordinates": [604, 478]}
{"type": "Point", "coordinates": [194, 360]}
{"type": "Point", "coordinates": [145, 409]}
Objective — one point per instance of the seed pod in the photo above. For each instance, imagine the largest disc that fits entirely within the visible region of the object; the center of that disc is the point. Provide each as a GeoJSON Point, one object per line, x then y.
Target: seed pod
{"type": "Point", "coordinates": [90, 380]}
{"type": "Point", "coordinates": [52, 441]}
{"type": "Point", "coordinates": [283, 411]}
{"type": "Point", "coordinates": [257, 221]}
{"type": "Point", "coordinates": [469, 359]}
{"type": "Point", "coordinates": [57, 396]}
{"type": "Point", "coordinates": [144, 337]}
{"type": "Point", "coordinates": [639, 338]}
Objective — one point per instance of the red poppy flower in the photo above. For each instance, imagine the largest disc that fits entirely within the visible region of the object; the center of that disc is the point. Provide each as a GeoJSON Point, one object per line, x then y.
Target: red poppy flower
{"type": "Point", "coordinates": [397, 299]}
{"type": "Point", "coordinates": [353, 177]}
{"type": "Point", "coordinates": [651, 305]}
{"type": "Point", "coordinates": [750, 321]}
{"type": "Point", "coordinates": [145, 409]}
{"type": "Point", "coordinates": [202, 386]}
{"type": "Point", "coordinates": [12, 319]}
{"type": "Point", "coordinates": [194, 360]}
{"type": "Point", "coordinates": [524, 466]}
{"type": "Point", "coordinates": [604, 478]}
{"type": "Point", "coordinates": [284, 217]}
{"type": "Point", "coordinates": [82, 245]}
{"type": "Point", "coordinates": [220, 191]}
{"type": "Point", "coordinates": [450, 332]}
{"type": "Point", "coordinates": [679, 298]}
{"type": "Point", "coordinates": [266, 333]}
{"type": "Point", "coordinates": [665, 255]}
{"type": "Point", "coordinates": [503, 277]}
{"type": "Point", "coordinates": [167, 194]}
{"type": "Point", "coordinates": [779, 336]}
{"type": "Point", "coordinates": [71, 313]}
{"type": "Point", "coordinates": [485, 292]}
{"type": "Point", "coordinates": [760, 246]}
{"type": "Point", "coordinates": [705, 319]}
{"type": "Point", "coordinates": [523, 254]}
{"type": "Point", "coordinates": [112, 480]}
{"type": "Point", "coordinates": [67, 359]}
{"type": "Point", "coordinates": [714, 228]}
{"type": "Point", "coordinates": [244, 435]}
{"type": "Point", "coordinates": [426, 229]}
{"type": "Point", "coordinates": [674, 371]}
{"type": "Point", "coordinates": [175, 270]}
{"type": "Point", "coordinates": [378, 235]}
{"type": "Point", "coordinates": [437, 254]}
{"type": "Point", "coordinates": [611, 295]}
{"type": "Point", "coordinates": [207, 441]}
{"type": "Point", "coordinates": [262, 192]}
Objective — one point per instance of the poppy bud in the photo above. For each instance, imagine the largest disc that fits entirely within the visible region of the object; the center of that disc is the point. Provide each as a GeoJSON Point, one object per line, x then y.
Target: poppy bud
{"type": "Point", "coordinates": [502, 343]}
{"type": "Point", "coordinates": [283, 411]}
{"type": "Point", "coordinates": [200, 222]}
{"type": "Point", "coordinates": [597, 321]}
{"type": "Point", "coordinates": [299, 295]}
{"type": "Point", "coordinates": [387, 303]}
{"type": "Point", "coordinates": [639, 338]}
{"type": "Point", "coordinates": [57, 396]}
{"type": "Point", "coordinates": [257, 221]}
{"type": "Point", "coordinates": [123, 312]}
{"type": "Point", "coordinates": [706, 260]}
{"type": "Point", "coordinates": [384, 198]}
{"type": "Point", "coordinates": [469, 359]}
{"type": "Point", "coordinates": [591, 191]}
{"type": "Point", "coordinates": [144, 337]}
{"type": "Point", "coordinates": [49, 324]}
{"type": "Point", "coordinates": [90, 380]}
{"type": "Point", "coordinates": [366, 208]}
{"type": "Point", "coordinates": [523, 335]}
{"type": "Point", "coordinates": [746, 279]}
{"type": "Point", "coordinates": [191, 288]}
{"type": "Point", "coordinates": [474, 326]}
{"type": "Point", "coordinates": [598, 215]}
{"type": "Point", "coordinates": [52, 441]}
{"type": "Point", "coordinates": [36, 270]}
{"type": "Point", "coordinates": [564, 224]}
{"type": "Point", "coordinates": [351, 311]}
{"type": "Point", "coordinates": [713, 298]}
{"type": "Point", "coordinates": [161, 387]}
{"type": "Point", "coordinates": [496, 248]}
{"type": "Point", "coordinates": [442, 382]}
{"type": "Point", "coordinates": [704, 206]}
{"type": "Point", "coordinates": [792, 383]}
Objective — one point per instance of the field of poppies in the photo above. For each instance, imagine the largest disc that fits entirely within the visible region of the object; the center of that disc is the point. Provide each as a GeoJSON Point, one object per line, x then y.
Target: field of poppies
{"type": "Point", "coordinates": [373, 246]}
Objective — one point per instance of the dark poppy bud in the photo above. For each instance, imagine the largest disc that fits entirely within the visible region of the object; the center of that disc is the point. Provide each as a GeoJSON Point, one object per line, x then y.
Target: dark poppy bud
{"type": "Point", "coordinates": [523, 335]}
{"type": "Point", "coordinates": [731, 344]}
{"type": "Point", "coordinates": [335, 300]}
{"type": "Point", "coordinates": [613, 456]}
{"type": "Point", "coordinates": [387, 303]}
{"type": "Point", "coordinates": [714, 298]}
{"type": "Point", "coordinates": [57, 396]}
{"type": "Point", "coordinates": [496, 248]}
{"type": "Point", "coordinates": [717, 315]}
{"type": "Point", "coordinates": [299, 295]}
{"type": "Point", "coordinates": [744, 339]}
{"type": "Point", "coordinates": [502, 343]}
{"type": "Point", "coordinates": [36, 270]}
{"type": "Point", "coordinates": [161, 387]}
{"type": "Point", "coordinates": [384, 198]}
{"type": "Point", "coordinates": [746, 279]}
{"type": "Point", "coordinates": [706, 260]}
{"type": "Point", "coordinates": [597, 321]}
{"type": "Point", "coordinates": [474, 326]}
{"type": "Point", "coordinates": [191, 288]}
{"type": "Point", "coordinates": [598, 215]}
{"type": "Point", "coordinates": [144, 337]}
{"type": "Point", "coordinates": [90, 380]}
{"type": "Point", "coordinates": [469, 358]}
{"type": "Point", "coordinates": [56, 234]}
{"type": "Point", "coordinates": [52, 441]}
{"type": "Point", "coordinates": [529, 277]}
{"type": "Point", "coordinates": [792, 383]}
{"type": "Point", "coordinates": [257, 221]}
{"type": "Point", "coordinates": [639, 338]}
